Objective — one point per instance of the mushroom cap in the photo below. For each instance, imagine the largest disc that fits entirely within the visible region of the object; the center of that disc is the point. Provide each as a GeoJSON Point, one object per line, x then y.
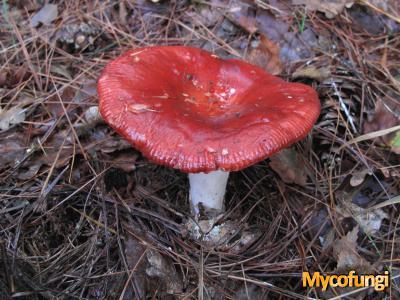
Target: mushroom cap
{"type": "Point", "coordinates": [186, 108]}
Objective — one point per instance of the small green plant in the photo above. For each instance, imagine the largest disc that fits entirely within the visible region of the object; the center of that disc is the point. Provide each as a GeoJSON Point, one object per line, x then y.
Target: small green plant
{"type": "Point", "coordinates": [301, 17]}
{"type": "Point", "coordinates": [4, 8]}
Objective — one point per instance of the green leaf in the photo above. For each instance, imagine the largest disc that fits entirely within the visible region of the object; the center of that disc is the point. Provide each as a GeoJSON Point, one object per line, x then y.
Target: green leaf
{"type": "Point", "coordinates": [395, 143]}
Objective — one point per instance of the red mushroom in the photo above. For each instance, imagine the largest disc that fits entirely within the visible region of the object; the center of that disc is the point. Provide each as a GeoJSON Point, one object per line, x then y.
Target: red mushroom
{"type": "Point", "coordinates": [185, 108]}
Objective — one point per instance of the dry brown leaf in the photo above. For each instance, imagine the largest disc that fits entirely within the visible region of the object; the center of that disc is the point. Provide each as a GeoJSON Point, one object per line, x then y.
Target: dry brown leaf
{"type": "Point", "coordinates": [266, 56]}
{"type": "Point", "coordinates": [87, 90]}
{"type": "Point", "coordinates": [92, 115]}
{"type": "Point", "coordinates": [134, 252]}
{"type": "Point", "coordinates": [32, 170]}
{"type": "Point", "coordinates": [290, 167]}
{"type": "Point", "coordinates": [53, 150]}
{"type": "Point", "coordinates": [312, 72]}
{"type": "Point", "coordinates": [13, 116]}
{"type": "Point", "coordinates": [54, 106]}
{"type": "Point", "coordinates": [161, 268]}
{"type": "Point", "coordinates": [345, 252]}
{"type": "Point", "coordinates": [60, 69]}
{"type": "Point", "coordinates": [281, 7]}
{"type": "Point", "coordinates": [11, 149]}
{"type": "Point", "coordinates": [3, 78]}
{"type": "Point", "coordinates": [45, 15]}
{"type": "Point", "coordinates": [207, 15]}
{"type": "Point", "coordinates": [240, 16]}
{"type": "Point", "coordinates": [113, 144]}
{"type": "Point", "coordinates": [293, 46]}
{"type": "Point", "coordinates": [348, 259]}
{"type": "Point", "coordinates": [358, 178]}
{"type": "Point", "coordinates": [331, 8]}
{"type": "Point", "coordinates": [124, 161]}
{"type": "Point", "coordinates": [122, 12]}
{"type": "Point", "coordinates": [369, 221]}
{"type": "Point", "coordinates": [13, 75]}
{"type": "Point", "coordinates": [249, 291]}
{"type": "Point", "coordinates": [384, 118]}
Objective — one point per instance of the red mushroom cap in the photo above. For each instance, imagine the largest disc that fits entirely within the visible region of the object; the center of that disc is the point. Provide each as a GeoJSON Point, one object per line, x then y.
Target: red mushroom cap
{"type": "Point", "coordinates": [188, 109]}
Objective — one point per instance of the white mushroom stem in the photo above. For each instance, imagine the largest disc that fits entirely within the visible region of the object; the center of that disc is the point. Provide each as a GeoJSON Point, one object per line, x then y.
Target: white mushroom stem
{"type": "Point", "coordinates": [209, 190]}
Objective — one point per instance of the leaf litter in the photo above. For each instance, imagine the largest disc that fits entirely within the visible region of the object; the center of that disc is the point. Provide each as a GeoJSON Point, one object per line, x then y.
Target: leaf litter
{"type": "Point", "coordinates": [385, 117]}
{"type": "Point", "coordinates": [47, 14]}
{"type": "Point", "coordinates": [12, 116]}
{"type": "Point", "coordinates": [290, 166]}
{"type": "Point", "coordinates": [83, 215]}
{"type": "Point", "coordinates": [328, 7]}
{"type": "Point", "coordinates": [277, 32]}
{"type": "Point", "coordinates": [266, 56]}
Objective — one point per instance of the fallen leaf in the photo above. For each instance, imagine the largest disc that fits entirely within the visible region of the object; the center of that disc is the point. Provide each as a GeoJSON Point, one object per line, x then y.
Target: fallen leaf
{"type": "Point", "coordinates": [293, 46]}
{"type": "Point", "coordinates": [207, 15]}
{"type": "Point", "coordinates": [266, 56]}
{"type": "Point", "coordinates": [320, 223]}
{"type": "Point", "coordinates": [87, 90]}
{"type": "Point", "coordinates": [359, 177]}
{"type": "Point", "coordinates": [212, 235]}
{"type": "Point", "coordinates": [289, 166]}
{"type": "Point", "coordinates": [11, 149]}
{"type": "Point", "coordinates": [45, 15]}
{"type": "Point", "coordinates": [92, 115]}
{"type": "Point", "coordinates": [395, 143]}
{"type": "Point", "coordinates": [106, 143]}
{"type": "Point", "coordinates": [124, 160]}
{"type": "Point", "coordinates": [32, 170]}
{"type": "Point", "coordinates": [162, 269]}
{"type": "Point", "coordinates": [347, 257]}
{"type": "Point", "coordinates": [365, 194]}
{"type": "Point", "coordinates": [329, 7]}
{"type": "Point", "coordinates": [54, 106]}
{"type": "Point", "coordinates": [249, 291]}
{"type": "Point", "coordinates": [271, 26]}
{"type": "Point", "coordinates": [134, 252]}
{"type": "Point", "coordinates": [240, 16]}
{"type": "Point", "coordinates": [20, 74]}
{"type": "Point", "coordinates": [312, 72]}
{"type": "Point", "coordinates": [122, 12]}
{"type": "Point", "coordinates": [13, 75]}
{"type": "Point", "coordinates": [368, 20]}
{"type": "Point", "coordinates": [281, 7]}
{"type": "Point", "coordinates": [14, 115]}
{"type": "Point", "coordinates": [61, 70]}
{"type": "Point", "coordinates": [385, 117]}
{"type": "Point", "coordinates": [370, 221]}
{"type": "Point", "coordinates": [3, 78]}
{"type": "Point", "coordinates": [53, 151]}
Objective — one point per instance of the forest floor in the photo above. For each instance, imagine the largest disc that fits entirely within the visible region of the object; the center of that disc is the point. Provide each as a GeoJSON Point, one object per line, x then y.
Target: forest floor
{"type": "Point", "coordinates": [85, 216]}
